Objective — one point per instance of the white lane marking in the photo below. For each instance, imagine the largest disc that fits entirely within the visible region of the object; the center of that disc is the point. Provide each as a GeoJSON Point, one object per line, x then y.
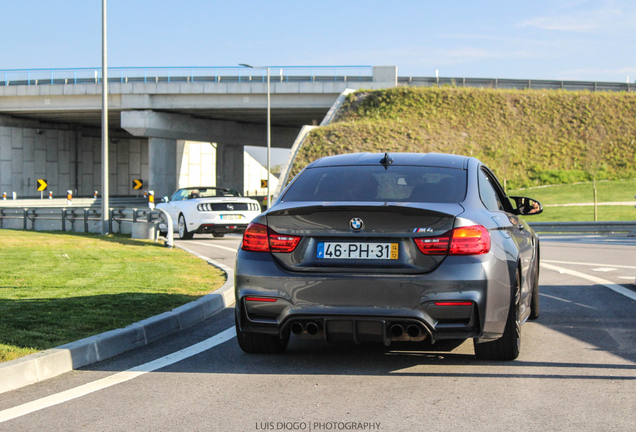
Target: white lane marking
{"type": "Point", "coordinates": [586, 264]}
{"type": "Point", "coordinates": [117, 378]}
{"type": "Point", "coordinates": [614, 287]}
{"type": "Point", "coordinates": [627, 277]}
{"type": "Point", "coordinates": [554, 297]}
{"type": "Point", "coordinates": [213, 245]}
{"type": "Point", "coordinates": [567, 301]}
{"type": "Point", "coordinates": [603, 269]}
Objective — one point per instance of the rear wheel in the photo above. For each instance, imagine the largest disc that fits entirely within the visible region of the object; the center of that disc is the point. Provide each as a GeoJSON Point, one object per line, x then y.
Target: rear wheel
{"type": "Point", "coordinates": [258, 343]}
{"type": "Point", "coordinates": [509, 345]}
{"type": "Point", "coordinates": [183, 229]}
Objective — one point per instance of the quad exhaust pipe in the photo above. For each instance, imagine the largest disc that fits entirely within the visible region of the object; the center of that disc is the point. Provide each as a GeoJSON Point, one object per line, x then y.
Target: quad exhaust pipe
{"type": "Point", "coordinates": [412, 330]}
{"type": "Point", "coordinates": [311, 328]}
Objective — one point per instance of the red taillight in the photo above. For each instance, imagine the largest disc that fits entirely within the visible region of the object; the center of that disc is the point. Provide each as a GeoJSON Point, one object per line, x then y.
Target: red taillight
{"type": "Point", "coordinates": [433, 245]}
{"type": "Point", "coordinates": [470, 240]}
{"type": "Point", "coordinates": [255, 238]}
{"type": "Point", "coordinates": [260, 238]}
{"type": "Point", "coordinates": [454, 303]}
{"type": "Point", "coordinates": [261, 299]}
{"type": "Point", "coordinates": [282, 242]}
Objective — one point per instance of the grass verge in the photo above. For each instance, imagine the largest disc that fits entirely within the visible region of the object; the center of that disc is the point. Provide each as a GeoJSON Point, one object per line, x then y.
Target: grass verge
{"type": "Point", "coordinates": [584, 214]}
{"type": "Point", "coordinates": [59, 287]}
{"type": "Point", "coordinates": [607, 191]}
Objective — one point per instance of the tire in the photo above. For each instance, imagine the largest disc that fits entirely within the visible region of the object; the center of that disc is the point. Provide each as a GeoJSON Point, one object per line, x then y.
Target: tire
{"type": "Point", "coordinates": [183, 229]}
{"type": "Point", "coordinates": [258, 343]}
{"type": "Point", "coordinates": [534, 301]}
{"type": "Point", "coordinates": [509, 345]}
{"type": "Point", "coordinates": [218, 235]}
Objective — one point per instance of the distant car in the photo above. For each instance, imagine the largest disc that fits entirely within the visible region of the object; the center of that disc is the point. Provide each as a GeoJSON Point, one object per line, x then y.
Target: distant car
{"type": "Point", "coordinates": [209, 210]}
{"type": "Point", "coordinates": [401, 247]}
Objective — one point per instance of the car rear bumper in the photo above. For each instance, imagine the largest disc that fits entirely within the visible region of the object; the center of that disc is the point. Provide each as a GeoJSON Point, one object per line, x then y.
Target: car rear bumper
{"type": "Point", "coordinates": [208, 228]}
{"type": "Point", "coordinates": [360, 307]}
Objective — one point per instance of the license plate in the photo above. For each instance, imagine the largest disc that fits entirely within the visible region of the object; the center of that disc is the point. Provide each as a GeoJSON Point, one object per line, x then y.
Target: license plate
{"type": "Point", "coordinates": [230, 217]}
{"type": "Point", "coordinates": [335, 250]}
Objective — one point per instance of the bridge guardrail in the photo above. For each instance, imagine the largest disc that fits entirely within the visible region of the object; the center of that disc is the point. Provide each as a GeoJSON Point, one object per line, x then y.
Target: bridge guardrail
{"type": "Point", "coordinates": [499, 83]}
{"type": "Point", "coordinates": [185, 74]}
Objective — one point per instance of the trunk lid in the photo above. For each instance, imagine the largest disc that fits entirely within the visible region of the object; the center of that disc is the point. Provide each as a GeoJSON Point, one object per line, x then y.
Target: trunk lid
{"type": "Point", "coordinates": [325, 229]}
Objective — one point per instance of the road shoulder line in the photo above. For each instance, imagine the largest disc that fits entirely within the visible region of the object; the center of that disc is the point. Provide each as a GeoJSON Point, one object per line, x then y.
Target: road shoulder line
{"type": "Point", "coordinates": [118, 378]}
{"type": "Point", "coordinates": [597, 280]}
{"type": "Point", "coordinates": [50, 363]}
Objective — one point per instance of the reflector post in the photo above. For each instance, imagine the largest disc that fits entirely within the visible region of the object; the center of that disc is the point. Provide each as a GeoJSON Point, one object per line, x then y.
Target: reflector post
{"type": "Point", "coordinates": [151, 199]}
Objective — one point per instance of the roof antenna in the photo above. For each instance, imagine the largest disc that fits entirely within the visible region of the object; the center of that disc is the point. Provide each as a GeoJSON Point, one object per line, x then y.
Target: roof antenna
{"type": "Point", "coordinates": [386, 160]}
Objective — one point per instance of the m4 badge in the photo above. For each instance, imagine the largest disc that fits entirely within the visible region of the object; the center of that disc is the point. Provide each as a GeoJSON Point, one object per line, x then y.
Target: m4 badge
{"type": "Point", "coordinates": [423, 230]}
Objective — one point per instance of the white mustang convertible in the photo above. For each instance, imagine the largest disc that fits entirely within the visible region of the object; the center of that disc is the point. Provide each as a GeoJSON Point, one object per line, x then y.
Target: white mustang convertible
{"type": "Point", "coordinates": [209, 210]}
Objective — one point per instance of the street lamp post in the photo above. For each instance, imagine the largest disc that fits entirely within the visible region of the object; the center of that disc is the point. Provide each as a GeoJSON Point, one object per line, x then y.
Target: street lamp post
{"type": "Point", "coordinates": [269, 128]}
{"type": "Point", "coordinates": [105, 192]}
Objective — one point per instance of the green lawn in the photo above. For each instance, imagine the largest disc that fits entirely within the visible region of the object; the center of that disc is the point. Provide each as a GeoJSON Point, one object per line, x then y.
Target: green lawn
{"type": "Point", "coordinates": [607, 191]}
{"type": "Point", "coordinates": [60, 287]}
{"type": "Point", "coordinates": [584, 214]}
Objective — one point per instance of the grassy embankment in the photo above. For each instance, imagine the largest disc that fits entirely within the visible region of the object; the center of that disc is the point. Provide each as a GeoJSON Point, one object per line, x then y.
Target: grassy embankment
{"type": "Point", "coordinates": [608, 191]}
{"type": "Point", "coordinates": [60, 287]}
{"type": "Point", "coordinates": [528, 137]}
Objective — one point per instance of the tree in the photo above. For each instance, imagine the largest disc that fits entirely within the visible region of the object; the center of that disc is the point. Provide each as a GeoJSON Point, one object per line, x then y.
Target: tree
{"type": "Point", "coordinates": [596, 137]}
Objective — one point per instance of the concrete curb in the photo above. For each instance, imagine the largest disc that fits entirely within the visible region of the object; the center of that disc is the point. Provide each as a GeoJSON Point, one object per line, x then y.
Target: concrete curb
{"type": "Point", "coordinates": [56, 361]}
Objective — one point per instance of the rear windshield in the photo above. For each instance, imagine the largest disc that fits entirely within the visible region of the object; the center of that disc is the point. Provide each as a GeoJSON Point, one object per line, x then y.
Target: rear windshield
{"type": "Point", "coordinates": [375, 183]}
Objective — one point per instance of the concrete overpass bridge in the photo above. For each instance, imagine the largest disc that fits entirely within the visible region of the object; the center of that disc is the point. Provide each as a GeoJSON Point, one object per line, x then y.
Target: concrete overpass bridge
{"type": "Point", "coordinates": [159, 118]}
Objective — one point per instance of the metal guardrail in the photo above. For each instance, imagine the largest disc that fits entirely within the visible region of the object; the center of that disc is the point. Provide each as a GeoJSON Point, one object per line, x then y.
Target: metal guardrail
{"type": "Point", "coordinates": [76, 202]}
{"type": "Point", "coordinates": [499, 83]}
{"type": "Point", "coordinates": [359, 73]}
{"type": "Point", "coordinates": [79, 220]}
{"type": "Point", "coordinates": [584, 227]}
{"type": "Point", "coordinates": [118, 216]}
{"type": "Point", "coordinates": [185, 74]}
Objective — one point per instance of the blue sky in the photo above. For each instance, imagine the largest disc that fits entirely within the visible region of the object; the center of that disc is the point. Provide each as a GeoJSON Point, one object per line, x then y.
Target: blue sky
{"type": "Point", "coordinates": [586, 40]}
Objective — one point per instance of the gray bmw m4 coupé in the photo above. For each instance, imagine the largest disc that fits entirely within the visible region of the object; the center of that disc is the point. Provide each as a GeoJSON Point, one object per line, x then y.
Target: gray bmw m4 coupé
{"type": "Point", "coordinates": [390, 247]}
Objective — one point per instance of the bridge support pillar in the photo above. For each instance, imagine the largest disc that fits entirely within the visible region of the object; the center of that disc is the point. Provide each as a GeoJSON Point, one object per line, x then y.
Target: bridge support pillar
{"type": "Point", "coordinates": [229, 166]}
{"type": "Point", "coordinates": [162, 166]}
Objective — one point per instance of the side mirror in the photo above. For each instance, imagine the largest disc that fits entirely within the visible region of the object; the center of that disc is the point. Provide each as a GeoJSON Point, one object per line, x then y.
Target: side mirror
{"type": "Point", "coordinates": [527, 206]}
{"type": "Point", "coordinates": [165, 199]}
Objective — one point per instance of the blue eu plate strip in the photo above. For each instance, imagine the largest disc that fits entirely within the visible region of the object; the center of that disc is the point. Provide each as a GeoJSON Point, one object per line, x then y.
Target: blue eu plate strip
{"type": "Point", "coordinates": [321, 250]}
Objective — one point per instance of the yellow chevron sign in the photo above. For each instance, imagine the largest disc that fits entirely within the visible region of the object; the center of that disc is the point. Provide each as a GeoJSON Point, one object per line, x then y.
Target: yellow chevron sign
{"type": "Point", "coordinates": [42, 185]}
{"type": "Point", "coordinates": [263, 184]}
{"type": "Point", "coordinates": [138, 184]}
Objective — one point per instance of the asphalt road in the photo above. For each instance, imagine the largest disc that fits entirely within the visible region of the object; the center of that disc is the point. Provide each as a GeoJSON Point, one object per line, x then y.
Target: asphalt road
{"type": "Point", "coordinates": [576, 372]}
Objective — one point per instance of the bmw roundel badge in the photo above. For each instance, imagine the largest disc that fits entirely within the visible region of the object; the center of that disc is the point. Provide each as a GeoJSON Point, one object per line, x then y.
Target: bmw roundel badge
{"type": "Point", "coordinates": [356, 224]}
